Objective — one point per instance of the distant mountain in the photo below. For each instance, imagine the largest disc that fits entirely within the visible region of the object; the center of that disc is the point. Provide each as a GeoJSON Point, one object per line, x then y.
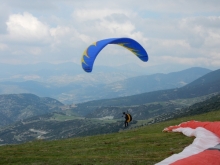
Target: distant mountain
{"type": "Point", "coordinates": [155, 82]}
{"type": "Point", "coordinates": [70, 88]}
{"type": "Point", "coordinates": [4, 120]}
{"type": "Point", "coordinates": [207, 84]}
{"type": "Point", "coordinates": [40, 71]}
{"type": "Point", "coordinates": [15, 107]}
{"type": "Point", "coordinates": [53, 73]}
{"type": "Point", "coordinates": [134, 85]}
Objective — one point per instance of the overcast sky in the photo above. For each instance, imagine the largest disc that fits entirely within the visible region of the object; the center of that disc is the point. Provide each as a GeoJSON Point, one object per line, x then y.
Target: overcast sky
{"type": "Point", "coordinates": [173, 32]}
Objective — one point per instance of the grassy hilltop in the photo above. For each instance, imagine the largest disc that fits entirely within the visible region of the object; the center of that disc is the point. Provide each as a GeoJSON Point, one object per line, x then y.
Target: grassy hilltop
{"type": "Point", "coordinates": [144, 145]}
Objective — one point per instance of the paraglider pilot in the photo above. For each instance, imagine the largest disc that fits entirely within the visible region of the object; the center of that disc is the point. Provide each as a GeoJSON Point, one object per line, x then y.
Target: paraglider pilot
{"type": "Point", "coordinates": [127, 117]}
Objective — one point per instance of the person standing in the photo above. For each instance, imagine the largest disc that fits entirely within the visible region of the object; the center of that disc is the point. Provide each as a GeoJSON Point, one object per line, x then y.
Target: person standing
{"type": "Point", "coordinates": [127, 117]}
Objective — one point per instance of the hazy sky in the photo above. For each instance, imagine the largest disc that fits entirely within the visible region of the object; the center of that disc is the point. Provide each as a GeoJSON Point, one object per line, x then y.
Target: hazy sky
{"type": "Point", "coordinates": [173, 32]}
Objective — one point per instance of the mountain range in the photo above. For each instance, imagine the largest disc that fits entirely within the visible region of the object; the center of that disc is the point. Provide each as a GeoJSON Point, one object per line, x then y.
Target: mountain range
{"type": "Point", "coordinates": [55, 120]}
{"type": "Point", "coordinates": [68, 84]}
{"type": "Point", "coordinates": [202, 86]}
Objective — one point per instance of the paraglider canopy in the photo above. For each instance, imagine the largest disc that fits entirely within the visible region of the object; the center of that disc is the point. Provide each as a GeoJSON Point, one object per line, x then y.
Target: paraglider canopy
{"type": "Point", "coordinates": [205, 147]}
{"type": "Point", "coordinates": [89, 55]}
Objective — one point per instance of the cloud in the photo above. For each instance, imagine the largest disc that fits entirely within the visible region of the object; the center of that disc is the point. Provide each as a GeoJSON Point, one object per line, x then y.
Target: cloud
{"type": "Point", "coordinates": [183, 32]}
{"type": "Point", "coordinates": [180, 62]}
{"type": "Point", "coordinates": [25, 5]}
{"type": "Point", "coordinates": [104, 23]}
{"type": "Point", "coordinates": [3, 17]}
{"type": "Point", "coordinates": [26, 27]}
{"type": "Point", "coordinates": [202, 34]}
{"type": "Point", "coordinates": [64, 36]}
{"type": "Point", "coordinates": [178, 7]}
{"type": "Point", "coordinates": [95, 14]}
{"type": "Point", "coordinates": [3, 47]}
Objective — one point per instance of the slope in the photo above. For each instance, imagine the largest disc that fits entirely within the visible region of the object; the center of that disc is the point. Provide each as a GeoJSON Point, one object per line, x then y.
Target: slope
{"type": "Point", "coordinates": [211, 104]}
{"type": "Point", "coordinates": [145, 145]}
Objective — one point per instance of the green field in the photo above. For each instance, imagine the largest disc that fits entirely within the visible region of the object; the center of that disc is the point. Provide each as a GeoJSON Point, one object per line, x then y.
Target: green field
{"type": "Point", "coordinates": [144, 145]}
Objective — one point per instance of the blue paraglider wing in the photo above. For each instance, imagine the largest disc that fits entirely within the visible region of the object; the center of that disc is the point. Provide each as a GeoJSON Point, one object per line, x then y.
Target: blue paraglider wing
{"type": "Point", "coordinates": [89, 55]}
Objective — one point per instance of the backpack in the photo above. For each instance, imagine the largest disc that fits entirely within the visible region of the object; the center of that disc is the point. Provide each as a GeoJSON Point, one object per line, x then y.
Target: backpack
{"type": "Point", "coordinates": [129, 118]}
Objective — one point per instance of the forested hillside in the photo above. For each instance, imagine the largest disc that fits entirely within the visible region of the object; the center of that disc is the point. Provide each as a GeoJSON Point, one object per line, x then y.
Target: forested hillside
{"type": "Point", "coordinates": [60, 126]}
{"type": "Point", "coordinates": [15, 107]}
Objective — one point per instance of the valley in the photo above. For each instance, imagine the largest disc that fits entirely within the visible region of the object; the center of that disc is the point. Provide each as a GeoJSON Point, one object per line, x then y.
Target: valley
{"type": "Point", "coordinates": [43, 118]}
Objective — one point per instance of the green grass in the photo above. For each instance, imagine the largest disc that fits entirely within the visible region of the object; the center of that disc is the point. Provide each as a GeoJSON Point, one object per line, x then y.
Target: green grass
{"type": "Point", "coordinates": [144, 145]}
